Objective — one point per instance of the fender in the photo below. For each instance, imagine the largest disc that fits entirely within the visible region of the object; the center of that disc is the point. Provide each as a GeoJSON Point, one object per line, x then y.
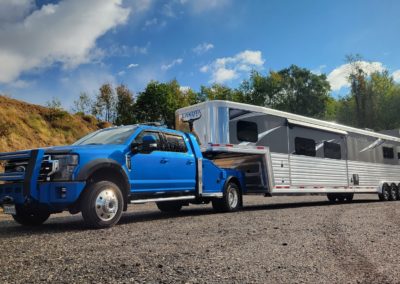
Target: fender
{"type": "Point", "coordinates": [98, 164]}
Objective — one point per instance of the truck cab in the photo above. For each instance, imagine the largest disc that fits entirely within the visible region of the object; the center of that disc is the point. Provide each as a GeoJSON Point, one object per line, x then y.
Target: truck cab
{"type": "Point", "coordinates": [100, 174]}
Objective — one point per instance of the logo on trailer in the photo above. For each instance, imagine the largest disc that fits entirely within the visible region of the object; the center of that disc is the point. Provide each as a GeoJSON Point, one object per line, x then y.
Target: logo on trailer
{"type": "Point", "coordinates": [191, 115]}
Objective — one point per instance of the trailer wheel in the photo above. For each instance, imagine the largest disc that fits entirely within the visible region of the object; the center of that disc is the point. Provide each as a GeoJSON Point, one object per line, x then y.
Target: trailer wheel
{"type": "Point", "coordinates": [341, 197]}
{"type": "Point", "coordinates": [169, 206]}
{"type": "Point", "coordinates": [384, 196]}
{"type": "Point", "coordinates": [231, 200]}
{"type": "Point", "coordinates": [30, 218]}
{"type": "Point", "coordinates": [102, 205]}
{"type": "Point", "coordinates": [349, 197]}
{"type": "Point", "coordinates": [331, 197]}
{"type": "Point", "coordinates": [392, 192]}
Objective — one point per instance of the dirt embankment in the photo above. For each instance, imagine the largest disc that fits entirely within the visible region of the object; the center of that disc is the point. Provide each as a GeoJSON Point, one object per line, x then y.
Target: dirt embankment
{"type": "Point", "coordinates": [26, 126]}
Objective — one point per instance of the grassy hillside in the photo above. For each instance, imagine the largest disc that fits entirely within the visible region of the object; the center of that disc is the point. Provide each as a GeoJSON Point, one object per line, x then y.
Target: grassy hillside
{"type": "Point", "coordinates": [26, 126]}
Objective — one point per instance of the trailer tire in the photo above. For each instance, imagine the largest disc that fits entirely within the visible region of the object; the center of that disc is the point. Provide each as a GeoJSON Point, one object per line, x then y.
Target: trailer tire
{"type": "Point", "coordinates": [30, 218]}
{"type": "Point", "coordinates": [384, 196]}
{"type": "Point", "coordinates": [392, 192]}
{"type": "Point", "coordinates": [349, 197]}
{"type": "Point", "coordinates": [231, 200]}
{"type": "Point", "coordinates": [169, 206]}
{"type": "Point", "coordinates": [102, 205]}
{"type": "Point", "coordinates": [331, 197]}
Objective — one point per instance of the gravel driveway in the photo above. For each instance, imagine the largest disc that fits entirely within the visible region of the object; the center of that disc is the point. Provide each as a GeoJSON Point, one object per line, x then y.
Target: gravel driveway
{"type": "Point", "coordinates": [273, 240]}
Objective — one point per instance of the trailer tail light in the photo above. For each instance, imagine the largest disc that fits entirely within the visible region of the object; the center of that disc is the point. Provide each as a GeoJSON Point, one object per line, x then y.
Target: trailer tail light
{"type": "Point", "coordinates": [260, 147]}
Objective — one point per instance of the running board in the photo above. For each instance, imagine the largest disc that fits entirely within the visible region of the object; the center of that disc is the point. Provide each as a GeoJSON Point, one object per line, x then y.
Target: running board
{"type": "Point", "coordinates": [216, 194]}
{"type": "Point", "coordinates": [140, 201]}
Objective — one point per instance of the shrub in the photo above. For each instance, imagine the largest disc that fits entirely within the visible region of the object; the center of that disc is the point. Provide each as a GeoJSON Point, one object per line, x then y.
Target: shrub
{"type": "Point", "coordinates": [6, 128]}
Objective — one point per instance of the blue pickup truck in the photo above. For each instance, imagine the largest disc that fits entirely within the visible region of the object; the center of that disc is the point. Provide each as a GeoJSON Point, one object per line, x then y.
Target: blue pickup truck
{"type": "Point", "coordinates": [100, 174]}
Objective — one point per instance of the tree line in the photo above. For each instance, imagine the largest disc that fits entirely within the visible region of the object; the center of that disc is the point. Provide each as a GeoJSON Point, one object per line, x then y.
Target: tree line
{"type": "Point", "coordinates": [372, 100]}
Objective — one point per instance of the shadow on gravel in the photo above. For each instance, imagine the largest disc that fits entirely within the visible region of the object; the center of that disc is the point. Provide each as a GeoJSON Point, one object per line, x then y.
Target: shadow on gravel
{"type": "Point", "coordinates": [10, 229]}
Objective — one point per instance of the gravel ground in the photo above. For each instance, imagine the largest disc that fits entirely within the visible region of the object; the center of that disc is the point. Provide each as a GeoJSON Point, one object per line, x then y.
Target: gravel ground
{"type": "Point", "coordinates": [273, 240]}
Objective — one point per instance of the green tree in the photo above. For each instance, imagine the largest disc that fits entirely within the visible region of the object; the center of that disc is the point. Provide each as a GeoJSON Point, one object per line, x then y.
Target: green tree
{"type": "Point", "coordinates": [221, 92]}
{"type": "Point", "coordinates": [104, 106]}
{"type": "Point", "coordinates": [124, 106]}
{"type": "Point", "coordinates": [159, 101]}
{"type": "Point", "coordinates": [292, 89]}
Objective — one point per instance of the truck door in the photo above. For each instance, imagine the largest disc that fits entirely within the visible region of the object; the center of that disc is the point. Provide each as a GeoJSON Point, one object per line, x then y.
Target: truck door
{"type": "Point", "coordinates": [163, 169]}
{"type": "Point", "coordinates": [180, 163]}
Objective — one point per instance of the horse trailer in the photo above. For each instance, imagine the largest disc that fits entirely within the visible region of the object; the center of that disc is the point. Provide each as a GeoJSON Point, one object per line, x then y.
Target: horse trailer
{"type": "Point", "coordinates": [300, 155]}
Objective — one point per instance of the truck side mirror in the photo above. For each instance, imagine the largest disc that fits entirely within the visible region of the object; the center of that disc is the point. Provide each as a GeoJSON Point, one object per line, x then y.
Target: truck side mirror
{"type": "Point", "coordinates": [135, 147]}
{"type": "Point", "coordinates": [149, 143]}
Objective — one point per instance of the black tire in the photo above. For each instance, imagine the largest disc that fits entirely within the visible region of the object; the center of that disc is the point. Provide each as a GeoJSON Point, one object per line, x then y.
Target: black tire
{"type": "Point", "coordinates": [231, 200]}
{"type": "Point", "coordinates": [384, 196]}
{"type": "Point", "coordinates": [169, 206]}
{"type": "Point", "coordinates": [398, 192]}
{"type": "Point", "coordinates": [31, 217]}
{"type": "Point", "coordinates": [331, 197]}
{"type": "Point", "coordinates": [392, 192]}
{"type": "Point", "coordinates": [102, 205]}
{"type": "Point", "coordinates": [349, 197]}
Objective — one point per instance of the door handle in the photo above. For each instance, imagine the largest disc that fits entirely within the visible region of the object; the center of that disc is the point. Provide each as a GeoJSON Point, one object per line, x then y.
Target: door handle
{"type": "Point", "coordinates": [163, 161]}
{"type": "Point", "coordinates": [189, 162]}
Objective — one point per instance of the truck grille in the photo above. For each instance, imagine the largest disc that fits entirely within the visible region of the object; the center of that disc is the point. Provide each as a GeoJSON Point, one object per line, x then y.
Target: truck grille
{"type": "Point", "coordinates": [16, 166]}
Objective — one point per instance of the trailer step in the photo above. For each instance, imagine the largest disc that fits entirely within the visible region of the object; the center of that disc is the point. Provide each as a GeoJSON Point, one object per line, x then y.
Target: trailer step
{"type": "Point", "coordinates": [141, 201]}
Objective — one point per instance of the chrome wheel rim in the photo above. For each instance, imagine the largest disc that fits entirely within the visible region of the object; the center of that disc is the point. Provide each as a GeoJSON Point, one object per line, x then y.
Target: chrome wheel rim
{"type": "Point", "coordinates": [106, 205]}
{"type": "Point", "coordinates": [233, 197]}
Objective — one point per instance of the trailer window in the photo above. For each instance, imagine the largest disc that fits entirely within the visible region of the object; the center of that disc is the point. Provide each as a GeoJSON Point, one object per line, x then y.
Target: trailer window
{"type": "Point", "coordinates": [388, 153]}
{"type": "Point", "coordinates": [304, 146]}
{"type": "Point", "coordinates": [247, 131]}
{"type": "Point", "coordinates": [175, 143]}
{"type": "Point", "coordinates": [332, 150]}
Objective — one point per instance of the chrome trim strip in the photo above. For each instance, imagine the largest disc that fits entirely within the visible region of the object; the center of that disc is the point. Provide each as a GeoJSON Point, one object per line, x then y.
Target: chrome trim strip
{"type": "Point", "coordinates": [138, 201]}
{"type": "Point", "coordinates": [214, 194]}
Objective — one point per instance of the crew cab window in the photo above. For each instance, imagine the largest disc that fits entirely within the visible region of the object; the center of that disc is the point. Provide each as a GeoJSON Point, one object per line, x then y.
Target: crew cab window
{"type": "Point", "coordinates": [332, 150]}
{"type": "Point", "coordinates": [388, 152]}
{"type": "Point", "coordinates": [247, 131]}
{"type": "Point", "coordinates": [304, 146]}
{"type": "Point", "coordinates": [175, 143]}
{"type": "Point", "coordinates": [139, 138]}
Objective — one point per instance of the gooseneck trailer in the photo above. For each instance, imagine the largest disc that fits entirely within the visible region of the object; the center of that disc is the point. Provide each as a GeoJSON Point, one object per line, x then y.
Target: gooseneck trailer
{"type": "Point", "coordinates": [306, 155]}
{"type": "Point", "coordinates": [219, 152]}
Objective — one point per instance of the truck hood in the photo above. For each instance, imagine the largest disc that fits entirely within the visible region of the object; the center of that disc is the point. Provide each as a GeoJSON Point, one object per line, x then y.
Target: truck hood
{"type": "Point", "coordinates": [82, 149]}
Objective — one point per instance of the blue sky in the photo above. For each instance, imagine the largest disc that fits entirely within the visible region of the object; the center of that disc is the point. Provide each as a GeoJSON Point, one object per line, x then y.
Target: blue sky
{"type": "Point", "coordinates": [61, 48]}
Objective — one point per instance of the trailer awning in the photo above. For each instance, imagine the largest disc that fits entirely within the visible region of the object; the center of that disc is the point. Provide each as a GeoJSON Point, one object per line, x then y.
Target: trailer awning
{"type": "Point", "coordinates": [315, 126]}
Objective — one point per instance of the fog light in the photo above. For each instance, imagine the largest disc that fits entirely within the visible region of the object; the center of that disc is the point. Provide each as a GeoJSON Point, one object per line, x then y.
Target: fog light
{"type": "Point", "coordinates": [63, 192]}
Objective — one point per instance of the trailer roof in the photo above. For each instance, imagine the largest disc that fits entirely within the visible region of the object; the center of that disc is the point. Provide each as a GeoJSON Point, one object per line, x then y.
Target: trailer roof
{"type": "Point", "coordinates": [334, 127]}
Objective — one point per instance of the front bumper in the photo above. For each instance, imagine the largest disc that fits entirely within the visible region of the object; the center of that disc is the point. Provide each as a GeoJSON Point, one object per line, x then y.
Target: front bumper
{"type": "Point", "coordinates": [56, 196]}
{"type": "Point", "coordinates": [26, 188]}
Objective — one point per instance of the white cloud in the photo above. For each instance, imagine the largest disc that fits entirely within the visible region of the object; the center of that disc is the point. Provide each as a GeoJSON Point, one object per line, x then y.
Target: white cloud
{"type": "Point", "coordinates": [229, 68]}
{"type": "Point", "coordinates": [12, 11]}
{"type": "Point", "coordinates": [338, 78]}
{"type": "Point", "coordinates": [172, 64]}
{"type": "Point", "coordinates": [396, 76]}
{"type": "Point", "coordinates": [203, 48]}
{"type": "Point", "coordinates": [132, 65]}
{"type": "Point", "coordinates": [28, 43]}
{"type": "Point", "coordinates": [151, 22]}
{"type": "Point", "coordinates": [319, 69]}
{"type": "Point", "coordinates": [184, 89]}
{"type": "Point", "coordinates": [121, 73]}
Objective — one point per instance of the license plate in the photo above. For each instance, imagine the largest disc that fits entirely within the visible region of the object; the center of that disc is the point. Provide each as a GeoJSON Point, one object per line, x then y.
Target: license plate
{"type": "Point", "coordinates": [9, 209]}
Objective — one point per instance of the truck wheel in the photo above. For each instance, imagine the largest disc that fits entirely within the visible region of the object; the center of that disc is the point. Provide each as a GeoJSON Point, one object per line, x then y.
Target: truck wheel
{"type": "Point", "coordinates": [384, 196]}
{"type": "Point", "coordinates": [393, 192]}
{"type": "Point", "coordinates": [398, 192]}
{"type": "Point", "coordinates": [29, 218]}
{"type": "Point", "coordinates": [231, 200]}
{"type": "Point", "coordinates": [169, 206]}
{"type": "Point", "coordinates": [102, 205]}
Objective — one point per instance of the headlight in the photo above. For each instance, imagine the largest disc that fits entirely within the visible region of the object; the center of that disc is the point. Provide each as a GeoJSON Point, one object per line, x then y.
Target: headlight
{"type": "Point", "coordinates": [66, 166]}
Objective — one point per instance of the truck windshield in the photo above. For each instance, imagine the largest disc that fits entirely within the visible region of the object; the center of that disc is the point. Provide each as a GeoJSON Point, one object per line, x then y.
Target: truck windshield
{"type": "Point", "coordinates": [109, 136]}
